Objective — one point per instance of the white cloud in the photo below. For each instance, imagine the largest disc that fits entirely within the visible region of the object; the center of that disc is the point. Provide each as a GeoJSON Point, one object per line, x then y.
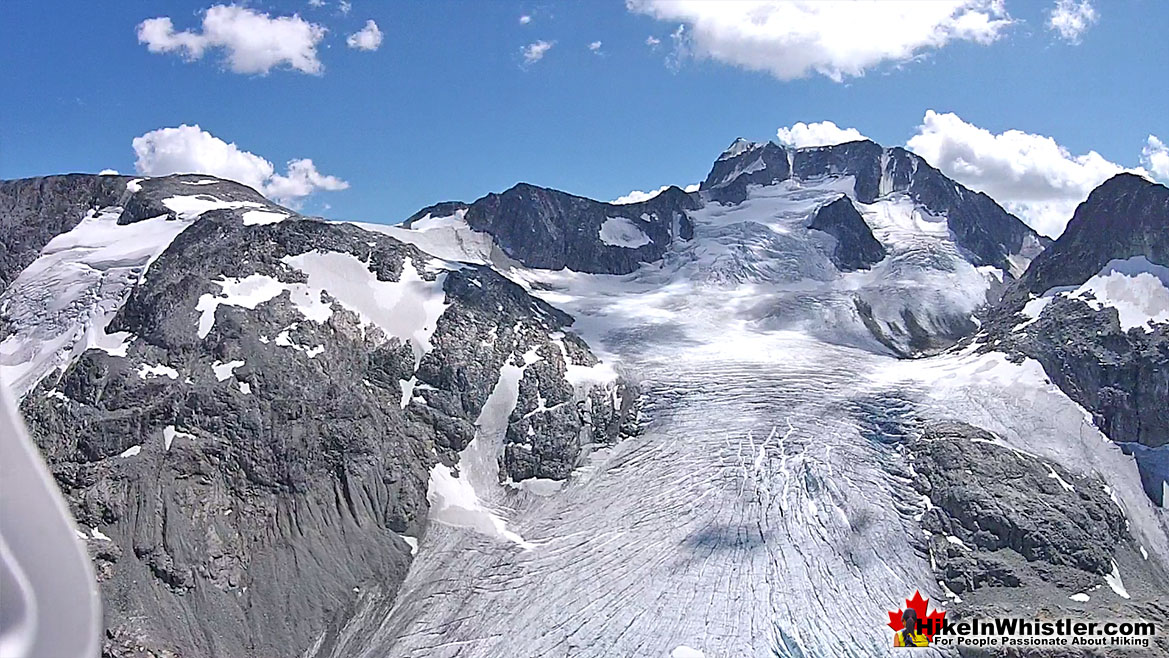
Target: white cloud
{"type": "Point", "coordinates": [832, 37]}
{"type": "Point", "coordinates": [108, 172]}
{"type": "Point", "coordinates": [652, 41]}
{"type": "Point", "coordinates": [301, 180]}
{"type": "Point", "coordinates": [525, 19]}
{"type": "Point", "coordinates": [1071, 19]}
{"type": "Point", "coordinates": [253, 42]}
{"type": "Point", "coordinates": [367, 38]}
{"type": "Point", "coordinates": [534, 52]}
{"type": "Point", "coordinates": [1030, 175]}
{"type": "Point", "coordinates": [595, 46]}
{"type": "Point", "coordinates": [344, 6]}
{"type": "Point", "coordinates": [637, 196]}
{"type": "Point", "coordinates": [823, 133]}
{"type": "Point", "coordinates": [189, 149]}
{"type": "Point", "coordinates": [316, 3]}
{"type": "Point", "coordinates": [680, 51]}
{"type": "Point", "coordinates": [1155, 156]}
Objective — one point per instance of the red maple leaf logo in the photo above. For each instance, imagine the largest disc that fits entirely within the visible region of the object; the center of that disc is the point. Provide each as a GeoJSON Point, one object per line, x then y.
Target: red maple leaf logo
{"type": "Point", "coordinates": [932, 621]}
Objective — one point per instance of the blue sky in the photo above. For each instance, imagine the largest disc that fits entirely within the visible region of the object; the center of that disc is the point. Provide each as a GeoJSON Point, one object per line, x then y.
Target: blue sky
{"type": "Point", "coordinates": [448, 108]}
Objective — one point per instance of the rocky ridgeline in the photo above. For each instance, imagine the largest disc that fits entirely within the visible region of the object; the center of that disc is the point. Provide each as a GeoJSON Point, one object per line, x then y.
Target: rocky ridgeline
{"type": "Point", "coordinates": [1119, 374]}
{"type": "Point", "coordinates": [991, 235]}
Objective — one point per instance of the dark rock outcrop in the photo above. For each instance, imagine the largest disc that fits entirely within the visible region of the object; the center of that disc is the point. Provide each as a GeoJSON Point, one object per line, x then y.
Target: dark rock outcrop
{"type": "Point", "coordinates": [1000, 518]}
{"type": "Point", "coordinates": [855, 248]}
{"type": "Point", "coordinates": [1125, 216]}
{"type": "Point", "coordinates": [553, 230]}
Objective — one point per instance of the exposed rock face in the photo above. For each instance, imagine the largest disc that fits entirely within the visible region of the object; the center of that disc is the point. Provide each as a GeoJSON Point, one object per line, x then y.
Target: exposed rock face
{"type": "Point", "coordinates": [989, 234]}
{"type": "Point", "coordinates": [1010, 534]}
{"type": "Point", "coordinates": [855, 248]}
{"type": "Point", "coordinates": [1120, 374]}
{"type": "Point", "coordinates": [33, 210]}
{"type": "Point", "coordinates": [1000, 518]}
{"type": "Point", "coordinates": [1125, 216]}
{"type": "Point", "coordinates": [253, 455]}
{"type": "Point", "coordinates": [550, 229]}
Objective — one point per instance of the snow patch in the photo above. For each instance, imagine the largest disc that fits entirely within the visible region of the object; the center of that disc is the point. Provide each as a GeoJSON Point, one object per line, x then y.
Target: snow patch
{"type": "Point", "coordinates": [407, 390]}
{"type": "Point", "coordinates": [260, 217]}
{"type": "Point", "coordinates": [248, 292]}
{"type": "Point", "coordinates": [160, 370]}
{"type": "Point", "coordinates": [407, 309]}
{"type": "Point", "coordinates": [1055, 476]}
{"type": "Point", "coordinates": [223, 371]}
{"type": "Point", "coordinates": [191, 206]}
{"type": "Point", "coordinates": [131, 451]}
{"type": "Point", "coordinates": [1136, 288]}
{"type": "Point", "coordinates": [683, 651]}
{"type": "Point", "coordinates": [169, 433]}
{"type": "Point", "coordinates": [453, 502]}
{"type": "Point", "coordinates": [1114, 581]}
{"type": "Point", "coordinates": [1081, 597]}
{"type": "Point", "coordinates": [622, 232]}
{"type": "Point", "coordinates": [411, 542]}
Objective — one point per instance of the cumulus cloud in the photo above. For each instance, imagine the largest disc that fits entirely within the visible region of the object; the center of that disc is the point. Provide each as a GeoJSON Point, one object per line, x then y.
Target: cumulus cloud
{"type": "Point", "coordinates": [823, 133]}
{"type": "Point", "coordinates": [1070, 19]}
{"type": "Point", "coordinates": [835, 38]}
{"type": "Point", "coordinates": [525, 19]}
{"type": "Point", "coordinates": [1155, 156]}
{"type": "Point", "coordinates": [1032, 175]}
{"type": "Point", "coordinates": [316, 3]}
{"type": "Point", "coordinates": [367, 38]}
{"type": "Point", "coordinates": [252, 42]}
{"type": "Point", "coordinates": [535, 51]}
{"type": "Point", "coordinates": [595, 46]}
{"type": "Point", "coordinates": [652, 41]}
{"type": "Point", "coordinates": [192, 150]}
{"type": "Point", "coordinates": [637, 196]}
{"type": "Point", "coordinates": [301, 180]}
{"type": "Point", "coordinates": [344, 6]}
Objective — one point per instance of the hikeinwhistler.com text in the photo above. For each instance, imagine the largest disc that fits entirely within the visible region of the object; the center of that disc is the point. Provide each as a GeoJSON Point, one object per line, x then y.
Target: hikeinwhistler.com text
{"type": "Point", "coordinates": [1038, 633]}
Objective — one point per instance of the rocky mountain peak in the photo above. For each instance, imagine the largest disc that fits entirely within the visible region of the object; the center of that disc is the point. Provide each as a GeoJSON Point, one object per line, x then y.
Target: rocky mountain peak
{"type": "Point", "coordinates": [1126, 216]}
{"type": "Point", "coordinates": [987, 232]}
{"type": "Point", "coordinates": [551, 229]}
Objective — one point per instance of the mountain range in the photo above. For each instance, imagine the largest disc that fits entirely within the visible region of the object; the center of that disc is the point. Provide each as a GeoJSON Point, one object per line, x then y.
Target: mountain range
{"type": "Point", "coordinates": [539, 424]}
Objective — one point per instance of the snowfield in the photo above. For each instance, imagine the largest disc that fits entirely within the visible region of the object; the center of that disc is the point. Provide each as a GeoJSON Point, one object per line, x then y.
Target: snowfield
{"type": "Point", "coordinates": [622, 232]}
{"type": "Point", "coordinates": [60, 304]}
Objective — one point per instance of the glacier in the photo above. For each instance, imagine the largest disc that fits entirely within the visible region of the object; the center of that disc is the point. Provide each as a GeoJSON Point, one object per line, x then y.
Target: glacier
{"type": "Point", "coordinates": [757, 508]}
